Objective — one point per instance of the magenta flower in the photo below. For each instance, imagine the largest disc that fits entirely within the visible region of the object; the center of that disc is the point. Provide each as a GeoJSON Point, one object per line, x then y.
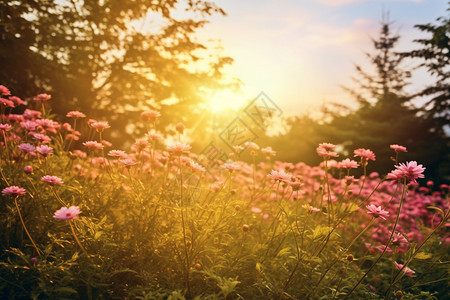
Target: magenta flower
{"type": "Point", "coordinates": [408, 272]}
{"type": "Point", "coordinates": [376, 211]}
{"type": "Point", "coordinates": [44, 150]}
{"type": "Point", "coordinates": [52, 180]}
{"type": "Point", "coordinates": [14, 191]}
{"type": "Point", "coordinates": [409, 171]}
{"type": "Point", "coordinates": [5, 127]}
{"type": "Point", "coordinates": [28, 169]}
{"type": "Point", "coordinates": [398, 148]}
{"type": "Point", "coordinates": [4, 90]}
{"type": "Point", "coordinates": [42, 97]}
{"type": "Point", "coordinates": [65, 213]}
{"type": "Point", "coordinates": [28, 148]}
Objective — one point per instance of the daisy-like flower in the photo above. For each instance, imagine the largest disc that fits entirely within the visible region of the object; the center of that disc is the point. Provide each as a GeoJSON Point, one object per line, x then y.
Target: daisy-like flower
{"type": "Point", "coordinates": [408, 272]}
{"type": "Point", "coordinates": [100, 126]}
{"type": "Point", "coordinates": [75, 114]}
{"type": "Point", "coordinates": [409, 170]}
{"type": "Point", "coordinates": [150, 115]}
{"type": "Point", "coordinates": [348, 164]}
{"type": "Point", "coordinates": [350, 179]}
{"type": "Point", "coordinates": [179, 148]}
{"type": "Point", "coordinates": [310, 208]}
{"type": "Point", "coordinates": [128, 162]}
{"type": "Point", "coordinates": [196, 166]}
{"type": "Point", "coordinates": [4, 90]}
{"type": "Point", "coordinates": [365, 154]}
{"type": "Point", "coordinates": [29, 125]}
{"type": "Point", "coordinates": [238, 149]}
{"type": "Point", "coordinates": [42, 97]}
{"type": "Point", "coordinates": [6, 102]}
{"type": "Point", "coordinates": [251, 146]}
{"type": "Point", "coordinates": [17, 100]}
{"type": "Point", "coordinates": [65, 213]}
{"type": "Point", "coordinates": [280, 175]}
{"type": "Point", "coordinates": [5, 127]}
{"type": "Point", "coordinates": [376, 211]}
{"type": "Point", "coordinates": [44, 150]}
{"type": "Point", "coordinates": [27, 147]}
{"type": "Point", "coordinates": [398, 148]}
{"type": "Point", "coordinates": [118, 153]}
{"type": "Point", "coordinates": [269, 151]}
{"type": "Point", "coordinates": [153, 135]}
{"type": "Point", "coordinates": [231, 166]}
{"type": "Point", "coordinates": [52, 180]}
{"type": "Point", "coordinates": [324, 150]}
{"type": "Point", "coordinates": [41, 137]}
{"type": "Point", "coordinates": [93, 145]}
{"type": "Point", "coordinates": [14, 191]}
{"type": "Point", "coordinates": [398, 240]}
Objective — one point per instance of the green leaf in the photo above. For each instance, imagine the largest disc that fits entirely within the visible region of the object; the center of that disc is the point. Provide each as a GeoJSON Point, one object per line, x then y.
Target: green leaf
{"type": "Point", "coordinates": [321, 231]}
{"type": "Point", "coordinates": [423, 255]}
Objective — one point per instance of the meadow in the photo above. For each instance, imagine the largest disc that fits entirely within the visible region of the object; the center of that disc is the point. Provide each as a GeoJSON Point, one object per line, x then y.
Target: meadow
{"type": "Point", "coordinates": [81, 219]}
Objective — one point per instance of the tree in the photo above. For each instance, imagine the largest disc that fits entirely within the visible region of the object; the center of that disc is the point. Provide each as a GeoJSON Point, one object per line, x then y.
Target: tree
{"type": "Point", "coordinates": [386, 116]}
{"type": "Point", "coordinates": [435, 56]}
{"type": "Point", "coordinates": [90, 56]}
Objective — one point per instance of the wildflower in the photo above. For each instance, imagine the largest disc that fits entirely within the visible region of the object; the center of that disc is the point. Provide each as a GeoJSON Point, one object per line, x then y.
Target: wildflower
{"type": "Point", "coordinates": [398, 240]}
{"type": "Point", "coordinates": [324, 150]}
{"type": "Point", "coordinates": [33, 260]}
{"type": "Point", "coordinates": [238, 149]}
{"type": "Point", "coordinates": [365, 154]}
{"type": "Point", "coordinates": [27, 147]}
{"type": "Point", "coordinates": [295, 185]}
{"type": "Point", "coordinates": [196, 166]}
{"type": "Point", "coordinates": [409, 171]}
{"type": "Point", "coordinates": [65, 213]}
{"type": "Point", "coordinates": [153, 135]}
{"type": "Point", "coordinates": [279, 175]}
{"type": "Point", "coordinates": [5, 127]}
{"type": "Point", "coordinates": [268, 151]}
{"type": "Point", "coordinates": [75, 114]}
{"type": "Point", "coordinates": [430, 183]}
{"type": "Point", "coordinates": [42, 97]}
{"type": "Point", "coordinates": [140, 145]}
{"type": "Point", "coordinates": [29, 125]}
{"type": "Point", "coordinates": [17, 100]}
{"type": "Point", "coordinates": [93, 145]}
{"type": "Point", "coordinates": [310, 208]}
{"type": "Point", "coordinates": [408, 272]}
{"type": "Point", "coordinates": [348, 164]}
{"type": "Point", "coordinates": [6, 102]}
{"type": "Point", "coordinates": [28, 169]}
{"type": "Point", "coordinates": [398, 148]}
{"type": "Point", "coordinates": [251, 146]}
{"type": "Point", "coordinates": [106, 143]}
{"type": "Point", "coordinates": [350, 179]}
{"type": "Point", "coordinates": [128, 162]}
{"type": "Point", "coordinates": [180, 128]}
{"type": "Point", "coordinates": [376, 211]}
{"type": "Point", "coordinates": [100, 126]}
{"type": "Point", "coordinates": [41, 137]}
{"type": "Point", "coordinates": [231, 166]}
{"type": "Point", "coordinates": [4, 90]}
{"type": "Point", "coordinates": [179, 148]}
{"type": "Point", "coordinates": [14, 191]}
{"type": "Point", "coordinates": [150, 115]}
{"type": "Point", "coordinates": [52, 180]}
{"type": "Point", "coordinates": [31, 114]}
{"type": "Point", "coordinates": [118, 153]}
{"type": "Point", "coordinates": [44, 150]}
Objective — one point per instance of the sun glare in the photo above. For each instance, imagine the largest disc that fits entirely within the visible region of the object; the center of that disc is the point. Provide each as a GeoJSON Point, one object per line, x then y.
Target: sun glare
{"type": "Point", "coordinates": [226, 99]}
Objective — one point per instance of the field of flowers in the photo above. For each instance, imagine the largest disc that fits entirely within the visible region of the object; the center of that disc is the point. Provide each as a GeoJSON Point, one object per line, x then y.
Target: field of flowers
{"type": "Point", "coordinates": [151, 222]}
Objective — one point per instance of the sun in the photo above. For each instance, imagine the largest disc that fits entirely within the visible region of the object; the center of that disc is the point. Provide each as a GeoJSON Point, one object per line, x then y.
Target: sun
{"type": "Point", "coordinates": [225, 100]}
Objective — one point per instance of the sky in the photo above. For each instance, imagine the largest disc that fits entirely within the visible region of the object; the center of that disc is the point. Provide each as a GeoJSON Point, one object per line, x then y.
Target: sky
{"type": "Point", "coordinates": [300, 53]}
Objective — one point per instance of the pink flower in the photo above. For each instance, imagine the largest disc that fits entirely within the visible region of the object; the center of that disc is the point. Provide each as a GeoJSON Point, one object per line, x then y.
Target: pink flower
{"type": "Point", "coordinates": [310, 208]}
{"type": "Point", "coordinates": [14, 191]}
{"type": "Point", "coordinates": [42, 137]}
{"type": "Point", "coordinates": [196, 166]}
{"type": "Point", "coordinates": [150, 115]}
{"type": "Point", "coordinates": [5, 127]}
{"type": "Point", "coordinates": [231, 166]}
{"type": "Point", "coordinates": [93, 145]}
{"type": "Point", "coordinates": [179, 148]}
{"type": "Point", "coordinates": [26, 147]}
{"type": "Point", "coordinates": [29, 125]}
{"type": "Point", "coordinates": [52, 180]}
{"type": "Point", "coordinates": [42, 97]}
{"type": "Point", "coordinates": [348, 164]}
{"type": "Point", "coordinates": [376, 211]}
{"type": "Point", "coordinates": [6, 102]}
{"type": "Point", "coordinates": [398, 148]}
{"type": "Point", "coordinates": [28, 169]}
{"type": "Point", "coordinates": [238, 149]}
{"type": "Point", "coordinates": [153, 135]}
{"type": "Point", "coordinates": [128, 162]}
{"type": "Point", "coordinates": [268, 151]}
{"type": "Point", "coordinates": [100, 126]}
{"type": "Point", "coordinates": [44, 150]}
{"type": "Point", "coordinates": [65, 213]}
{"type": "Point", "coordinates": [365, 154]}
{"type": "Point", "coordinates": [279, 175]}
{"type": "Point", "coordinates": [409, 171]}
{"type": "Point", "coordinates": [17, 100]}
{"type": "Point", "coordinates": [4, 90]}
{"type": "Point", "coordinates": [408, 272]}
{"type": "Point", "coordinates": [324, 150]}
{"type": "Point", "coordinates": [251, 146]}
{"type": "Point", "coordinates": [75, 114]}
{"type": "Point", "coordinates": [398, 240]}
{"type": "Point", "coordinates": [118, 153]}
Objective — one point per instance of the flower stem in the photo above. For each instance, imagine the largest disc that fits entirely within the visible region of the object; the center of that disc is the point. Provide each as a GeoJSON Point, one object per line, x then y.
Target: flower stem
{"type": "Point", "coordinates": [26, 230]}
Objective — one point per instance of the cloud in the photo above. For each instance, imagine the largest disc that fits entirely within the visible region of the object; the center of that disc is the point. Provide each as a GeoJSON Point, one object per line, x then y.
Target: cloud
{"type": "Point", "coordinates": [339, 2]}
